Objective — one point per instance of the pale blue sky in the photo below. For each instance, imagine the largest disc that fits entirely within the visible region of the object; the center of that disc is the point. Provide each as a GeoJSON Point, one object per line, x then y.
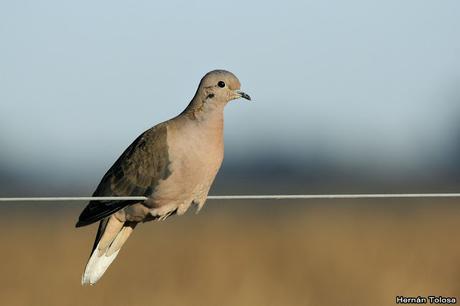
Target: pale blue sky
{"type": "Point", "coordinates": [366, 81]}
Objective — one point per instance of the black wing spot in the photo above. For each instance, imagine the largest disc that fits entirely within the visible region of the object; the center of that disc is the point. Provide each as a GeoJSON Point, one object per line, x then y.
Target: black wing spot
{"type": "Point", "coordinates": [148, 191]}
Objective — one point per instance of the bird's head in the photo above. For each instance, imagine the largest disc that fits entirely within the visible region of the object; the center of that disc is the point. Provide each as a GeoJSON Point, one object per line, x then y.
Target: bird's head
{"type": "Point", "coordinates": [220, 86]}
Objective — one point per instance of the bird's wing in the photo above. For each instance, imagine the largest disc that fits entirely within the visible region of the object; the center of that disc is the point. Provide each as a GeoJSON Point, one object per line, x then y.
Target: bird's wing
{"type": "Point", "coordinates": [136, 173]}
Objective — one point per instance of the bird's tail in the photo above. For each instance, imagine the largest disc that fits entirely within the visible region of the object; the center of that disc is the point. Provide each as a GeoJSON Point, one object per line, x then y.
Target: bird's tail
{"type": "Point", "coordinates": [111, 236]}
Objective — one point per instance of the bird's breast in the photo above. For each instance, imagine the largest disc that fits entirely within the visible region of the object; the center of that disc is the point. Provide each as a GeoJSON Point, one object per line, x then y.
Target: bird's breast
{"type": "Point", "coordinates": [195, 154]}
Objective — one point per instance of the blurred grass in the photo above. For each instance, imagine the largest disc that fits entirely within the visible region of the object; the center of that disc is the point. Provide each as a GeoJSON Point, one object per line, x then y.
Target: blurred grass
{"type": "Point", "coordinates": [240, 253]}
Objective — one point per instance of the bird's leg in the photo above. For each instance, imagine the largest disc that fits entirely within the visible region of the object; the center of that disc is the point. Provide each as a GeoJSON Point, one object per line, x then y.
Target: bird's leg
{"type": "Point", "coordinates": [163, 212]}
{"type": "Point", "coordinates": [168, 214]}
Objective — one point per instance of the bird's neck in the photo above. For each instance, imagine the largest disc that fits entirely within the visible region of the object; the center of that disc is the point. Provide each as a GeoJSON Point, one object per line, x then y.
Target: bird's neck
{"type": "Point", "coordinates": [204, 111]}
{"type": "Point", "coordinates": [204, 119]}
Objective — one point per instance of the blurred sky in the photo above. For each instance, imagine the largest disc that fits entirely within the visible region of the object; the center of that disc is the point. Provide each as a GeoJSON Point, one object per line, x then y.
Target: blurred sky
{"type": "Point", "coordinates": [354, 81]}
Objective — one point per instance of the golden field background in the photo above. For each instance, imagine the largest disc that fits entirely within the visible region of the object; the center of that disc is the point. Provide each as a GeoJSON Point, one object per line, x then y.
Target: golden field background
{"type": "Point", "coordinates": [240, 253]}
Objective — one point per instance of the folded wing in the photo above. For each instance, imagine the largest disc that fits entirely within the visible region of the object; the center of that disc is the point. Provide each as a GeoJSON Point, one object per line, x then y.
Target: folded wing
{"type": "Point", "coordinates": [136, 173]}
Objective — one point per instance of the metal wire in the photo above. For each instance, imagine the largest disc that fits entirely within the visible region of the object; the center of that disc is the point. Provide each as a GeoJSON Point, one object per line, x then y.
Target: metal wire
{"type": "Point", "coordinates": [248, 197]}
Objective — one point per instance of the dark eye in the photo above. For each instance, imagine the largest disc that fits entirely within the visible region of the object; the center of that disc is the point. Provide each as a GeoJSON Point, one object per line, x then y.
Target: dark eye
{"type": "Point", "coordinates": [221, 84]}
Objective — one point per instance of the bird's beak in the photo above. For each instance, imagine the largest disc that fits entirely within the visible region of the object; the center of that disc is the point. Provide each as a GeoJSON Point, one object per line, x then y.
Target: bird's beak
{"type": "Point", "coordinates": [242, 94]}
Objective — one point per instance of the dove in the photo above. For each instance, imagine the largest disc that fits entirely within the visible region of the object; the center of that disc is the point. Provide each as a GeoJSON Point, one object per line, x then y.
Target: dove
{"type": "Point", "coordinates": [172, 164]}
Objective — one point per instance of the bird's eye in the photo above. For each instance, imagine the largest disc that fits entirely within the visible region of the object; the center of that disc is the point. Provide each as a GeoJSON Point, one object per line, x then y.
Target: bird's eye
{"type": "Point", "coordinates": [221, 84]}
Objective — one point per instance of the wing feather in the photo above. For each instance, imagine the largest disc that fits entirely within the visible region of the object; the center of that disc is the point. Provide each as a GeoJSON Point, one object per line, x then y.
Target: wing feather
{"type": "Point", "coordinates": [135, 173]}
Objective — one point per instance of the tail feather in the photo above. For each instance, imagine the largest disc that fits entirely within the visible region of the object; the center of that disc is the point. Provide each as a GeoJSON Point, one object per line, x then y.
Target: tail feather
{"type": "Point", "coordinates": [111, 236]}
{"type": "Point", "coordinates": [121, 238]}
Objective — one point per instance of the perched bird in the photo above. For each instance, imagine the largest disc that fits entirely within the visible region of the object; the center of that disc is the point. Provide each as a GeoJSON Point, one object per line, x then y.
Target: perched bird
{"type": "Point", "coordinates": [173, 164]}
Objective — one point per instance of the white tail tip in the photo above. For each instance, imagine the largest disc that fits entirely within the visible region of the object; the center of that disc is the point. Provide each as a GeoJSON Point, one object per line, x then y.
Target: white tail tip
{"type": "Point", "coordinates": [96, 267]}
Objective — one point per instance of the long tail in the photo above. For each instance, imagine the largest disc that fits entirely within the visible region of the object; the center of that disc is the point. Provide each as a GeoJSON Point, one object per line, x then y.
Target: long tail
{"type": "Point", "coordinates": [111, 236]}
